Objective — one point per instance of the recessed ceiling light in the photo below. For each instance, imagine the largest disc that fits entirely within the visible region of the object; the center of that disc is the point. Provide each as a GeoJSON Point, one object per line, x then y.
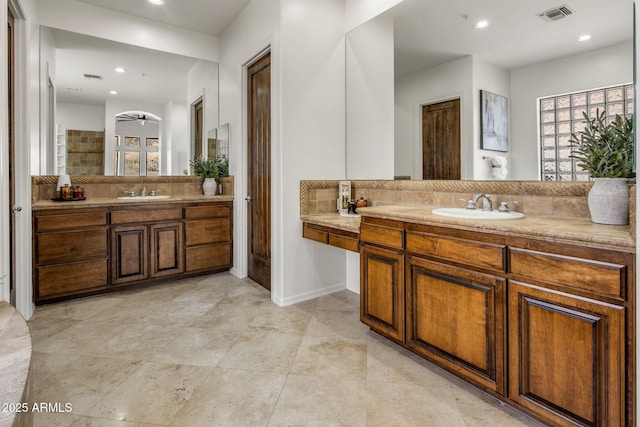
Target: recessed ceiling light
{"type": "Point", "coordinates": [481, 24]}
{"type": "Point", "coordinates": [120, 70]}
{"type": "Point", "coordinates": [113, 92]}
{"type": "Point", "coordinates": [156, 1]}
{"type": "Point", "coordinates": [584, 38]}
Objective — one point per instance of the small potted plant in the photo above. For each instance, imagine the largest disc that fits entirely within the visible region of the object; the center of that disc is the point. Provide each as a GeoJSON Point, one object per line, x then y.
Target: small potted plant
{"type": "Point", "coordinates": [605, 150]}
{"type": "Point", "coordinates": [208, 169]}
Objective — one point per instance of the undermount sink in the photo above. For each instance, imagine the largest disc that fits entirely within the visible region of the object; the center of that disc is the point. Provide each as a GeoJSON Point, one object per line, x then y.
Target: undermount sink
{"type": "Point", "coordinates": [142, 198]}
{"type": "Point", "coordinates": [465, 213]}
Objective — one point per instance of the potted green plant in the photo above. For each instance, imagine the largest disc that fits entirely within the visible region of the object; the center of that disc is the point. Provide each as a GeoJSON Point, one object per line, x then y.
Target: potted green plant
{"type": "Point", "coordinates": [605, 150]}
{"type": "Point", "coordinates": [208, 169]}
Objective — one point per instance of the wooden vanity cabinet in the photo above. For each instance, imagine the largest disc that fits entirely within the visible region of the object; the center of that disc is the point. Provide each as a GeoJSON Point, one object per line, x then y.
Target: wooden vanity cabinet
{"type": "Point", "coordinates": [70, 252]}
{"type": "Point", "coordinates": [79, 251]}
{"type": "Point", "coordinates": [146, 243]}
{"type": "Point", "coordinates": [208, 237]}
{"type": "Point", "coordinates": [547, 327]}
{"type": "Point", "coordinates": [382, 298]}
{"type": "Point", "coordinates": [570, 331]}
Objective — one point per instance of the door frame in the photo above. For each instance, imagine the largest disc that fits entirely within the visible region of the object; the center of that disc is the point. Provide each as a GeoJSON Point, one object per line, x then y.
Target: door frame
{"type": "Point", "coordinates": [22, 224]}
{"type": "Point", "coordinates": [417, 132]}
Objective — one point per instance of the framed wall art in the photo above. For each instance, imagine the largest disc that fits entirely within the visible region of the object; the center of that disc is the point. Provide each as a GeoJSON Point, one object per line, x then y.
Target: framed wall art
{"type": "Point", "coordinates": [494, 125]}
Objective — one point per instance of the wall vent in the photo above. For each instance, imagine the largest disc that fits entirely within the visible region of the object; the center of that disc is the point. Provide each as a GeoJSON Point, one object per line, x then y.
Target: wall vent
{"type": "Point", "coordinates": [556, 13]}
{"type": "Point", "coordinates": [92, 76]}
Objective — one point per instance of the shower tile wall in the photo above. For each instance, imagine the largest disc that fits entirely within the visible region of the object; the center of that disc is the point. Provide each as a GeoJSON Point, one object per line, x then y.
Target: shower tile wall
{"type": "Point", "coordinates": [85, 152]}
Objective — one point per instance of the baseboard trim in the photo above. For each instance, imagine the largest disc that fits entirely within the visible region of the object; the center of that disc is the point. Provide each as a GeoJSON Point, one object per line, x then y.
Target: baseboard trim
{"type": "Point", "coordinates": [294, 299]}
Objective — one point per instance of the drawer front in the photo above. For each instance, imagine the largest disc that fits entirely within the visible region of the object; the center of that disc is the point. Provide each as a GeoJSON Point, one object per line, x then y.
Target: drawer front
{"type": "Point", "coordinates": [71, 246]}
{"type": "Point", "coordinates": [205, 232]}
{"type": "Point", "coordinates": [57, 222]}
{"type": "Point", "coordinates": [213, 211]}
{"type": "Point", "coordinates": [469, 252]}
{"type": "Point", "coordinates": [208, 257]}
{"type": "Point", "coordinates": [584, 274]}
{"type": "Point", "coordinates": [309, 232]}
{"type": "Point", "coordinates": [71, 278]}
{"type": "Point", "coordinates": [381, 235]}
{"type": "Point", "coordinates": [145, 214]}
{"type": "Point", "coordinates": [343, 242]}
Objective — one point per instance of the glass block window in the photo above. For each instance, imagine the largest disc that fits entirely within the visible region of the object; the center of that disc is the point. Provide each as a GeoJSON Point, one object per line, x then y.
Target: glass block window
{"type": "Point", "coordinates": [562, 115]}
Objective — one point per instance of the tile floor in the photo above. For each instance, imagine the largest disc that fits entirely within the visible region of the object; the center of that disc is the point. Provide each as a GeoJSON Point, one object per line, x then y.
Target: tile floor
{"type": "Point", "coordinates": [215, 351]}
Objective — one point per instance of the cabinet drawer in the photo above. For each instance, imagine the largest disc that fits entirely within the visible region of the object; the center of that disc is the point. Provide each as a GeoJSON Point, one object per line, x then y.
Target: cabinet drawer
{"type": "Point", "coordinates": [144, 214]}
{"type": "Point", "coordinates": [309, 232]}
{"type": "Point", "coordinates": [584, 274]}
{"type": "Point", "coordinates": [208, 257]}
{"type": "Point", "coordinates": [205, 232]}
{"type": "Point", "coordinates": [214, 211]}
{"type": "Point", "coordinates": [71, 246]}
{"type": "Point", "coordinates": [75, 220]}
{"type": "Point", "coordinates": [381, 235]}
{"type": "Point", "coordinates": [344, 242]}
{"type": "Point", "coordinates": [71, 278]}
{"type": "Point", "coordinates": [469, 252]}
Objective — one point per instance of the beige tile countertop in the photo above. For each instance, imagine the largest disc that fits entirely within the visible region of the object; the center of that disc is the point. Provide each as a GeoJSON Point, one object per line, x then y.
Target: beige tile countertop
{"type": "Point", "coordinates": [15, 364]}
{"type": "Point", "coordinates": [94, 202]}
{"type": "Point", "coordinates": [580, 231]}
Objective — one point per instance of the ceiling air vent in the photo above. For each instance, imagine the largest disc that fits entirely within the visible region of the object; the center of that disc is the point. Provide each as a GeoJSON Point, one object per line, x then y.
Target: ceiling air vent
{"type": "Point", "coordinates": [556, 13]}
{"type": "Point", "coordinates": [92, 76]}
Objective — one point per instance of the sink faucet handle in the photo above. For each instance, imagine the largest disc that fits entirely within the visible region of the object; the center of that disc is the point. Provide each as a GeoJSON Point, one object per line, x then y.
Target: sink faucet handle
{"type": "Point", "coordinates": [130, 193]}
{"type": "Point", "coordinates": [470, 203]}
{"type": "Point", "coordinates": [154, 192]}
{"type": "Point", "coordinates": [504, 206]}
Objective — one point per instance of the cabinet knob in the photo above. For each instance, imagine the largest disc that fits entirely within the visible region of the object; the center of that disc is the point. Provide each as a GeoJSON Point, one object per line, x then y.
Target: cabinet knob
{"type": "Point", "coordinates": [17, 209]}
{"type": "Point", "coordinates": [248, 198]}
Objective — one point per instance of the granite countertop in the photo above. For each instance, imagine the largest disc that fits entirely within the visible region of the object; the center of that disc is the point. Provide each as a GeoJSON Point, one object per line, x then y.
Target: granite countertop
{"type": "Point", "coordinates": [580, 231]}
{"type": "Point", "coordinates": [15, 359]}
{"type": "Point", "coordinates": [94, 202]}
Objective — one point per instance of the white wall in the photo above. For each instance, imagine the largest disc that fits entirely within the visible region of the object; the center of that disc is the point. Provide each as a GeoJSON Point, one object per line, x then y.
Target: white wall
{"type": "Point", "coordinates": [496, 80]}
{"type": "Point", "coordinates": [43, 144]}
{"type": "Point", "coordinates": [80, 17]}
{"type": "Point", "coordinates": [175, 147]}
{"type": "Point", "coordinates": [80, 116]}
{"type": "Point", "coordinates": [358, 12]}
{"type": "Point", "coordinates": [370, 94]}
{"type": "Point", "coordinates": [202, 81]}
{"type": "Point", "coordinates": [444, 82]}
{"type": "Point", "coordinates": [307, 130]}
{"type": "Point", "coordinates": [603, 67]}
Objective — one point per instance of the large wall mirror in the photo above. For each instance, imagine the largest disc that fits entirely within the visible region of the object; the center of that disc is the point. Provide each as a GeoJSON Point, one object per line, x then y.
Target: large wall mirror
{"type": "Point", "coordinates": [118, 109]}
{"type": "Point", "coordinates": [422, 53]}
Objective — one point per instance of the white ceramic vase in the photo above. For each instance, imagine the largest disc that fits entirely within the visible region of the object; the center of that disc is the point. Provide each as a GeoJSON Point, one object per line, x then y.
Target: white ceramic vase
{"type": "Point", "coordinates": [209, 186]}
{"type": "Point", "coordinates": [609, 201]}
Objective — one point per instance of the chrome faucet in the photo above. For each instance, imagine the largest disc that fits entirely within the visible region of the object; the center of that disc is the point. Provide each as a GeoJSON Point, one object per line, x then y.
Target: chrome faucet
{"type": "Point", "coordinates": [487, 204]}
{"type": "Point", "coordinates": [143, 193]}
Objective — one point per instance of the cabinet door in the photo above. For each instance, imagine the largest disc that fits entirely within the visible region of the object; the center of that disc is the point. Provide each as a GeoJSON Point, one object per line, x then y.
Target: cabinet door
{"type": "Point", "coordinates": [455, 317]}
{"type": "Point", "coordinates": [566, 357]}
{"type": "Point", "coordinates": [382, 291]}
{"type": "Point", "coordinates": [166, 249]}
{"type": "Point", "coordinates": [129, 254]}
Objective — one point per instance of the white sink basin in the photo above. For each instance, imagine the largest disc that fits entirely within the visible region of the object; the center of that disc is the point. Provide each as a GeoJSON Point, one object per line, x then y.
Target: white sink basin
{"type": "Point", "coordinates": [142, 198]}
{"type": "Point", "coordinates": [476, 213]}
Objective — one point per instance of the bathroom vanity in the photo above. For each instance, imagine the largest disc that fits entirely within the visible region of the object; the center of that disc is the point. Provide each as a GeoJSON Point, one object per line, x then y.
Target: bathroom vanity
{"type": "Point", "coordinates": [538, 311]}
{"type": "Point", "coordinates": [104, 244]}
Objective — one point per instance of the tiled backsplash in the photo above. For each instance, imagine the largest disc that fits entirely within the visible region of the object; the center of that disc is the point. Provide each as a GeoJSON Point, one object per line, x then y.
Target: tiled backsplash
{"type": "Point", "coordinates": [44, 187]}
{"type": "Point", "coordinates": [85, 152]}
{"type": "Point", "coordinates": [568, 199]}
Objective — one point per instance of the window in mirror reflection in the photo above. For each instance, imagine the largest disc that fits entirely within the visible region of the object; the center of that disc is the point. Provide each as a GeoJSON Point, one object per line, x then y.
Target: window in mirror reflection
{"type": "Point", "coordinates": [132, 141]}
{"type": "Point", "coordinates": [153, 164]}
{"type": "Point", "coordinates": [563, 114]}
{"type": "Point", "coordinates": [137, 157]}
{"type": "Point", "coordinates": [132, 163]}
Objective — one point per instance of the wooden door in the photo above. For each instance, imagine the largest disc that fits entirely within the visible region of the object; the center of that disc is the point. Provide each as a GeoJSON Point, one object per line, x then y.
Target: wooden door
{"type": "Point", "coordinates": [259, 171]}
{"type": "Point", "coordinates": [198, 126]}
{"type": "Point", "coordinates": [566, 357]}
{"type": "Point", "coordinates": [455, 317]}
{"type": "Point", "coordinates": [441, 140]}
{"type": "Point", "coordinates": [12, 180]}
{"type": "Point", "coordinates": [382, 291]}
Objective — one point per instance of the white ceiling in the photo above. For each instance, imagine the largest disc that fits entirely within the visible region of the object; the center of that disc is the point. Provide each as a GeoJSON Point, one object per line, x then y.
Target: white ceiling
{"type": "Point", "coordinates": [429, 32]}
{"type": "Point", "coordinates": [203, 16]}
{"type": "Point", "coordinates": [152, 76]}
